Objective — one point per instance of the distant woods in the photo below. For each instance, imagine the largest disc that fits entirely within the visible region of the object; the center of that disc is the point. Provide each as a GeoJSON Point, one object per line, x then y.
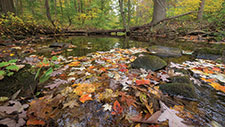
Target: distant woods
{"type": "Point", "coordinates": [109, 14]}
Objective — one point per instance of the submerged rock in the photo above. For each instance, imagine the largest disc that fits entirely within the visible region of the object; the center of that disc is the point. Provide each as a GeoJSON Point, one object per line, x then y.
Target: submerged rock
{"type": "Point", "coordinates": [58, 45]}
{"type": "Point", "coordinates": [208, 53]}
{"type": "Point", "coordinates": [165, 51]}
{"type": "Point", "coordinates": [149, 62]}
{"type": "Point", "coordinates": [181, 85]}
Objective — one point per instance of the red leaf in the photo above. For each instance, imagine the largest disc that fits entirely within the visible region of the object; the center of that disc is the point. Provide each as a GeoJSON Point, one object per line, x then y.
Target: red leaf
{"type": "Point", "coordinates": [142, 82]}
{"type": "Point", "coordinates": [33, 121]}
{"type": "Point", "coordinates": [123, 70]}
{"type": "Point", "coordinates": [117, 108]}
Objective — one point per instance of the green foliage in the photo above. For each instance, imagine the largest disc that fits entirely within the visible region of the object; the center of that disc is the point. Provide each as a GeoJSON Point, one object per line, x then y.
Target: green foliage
{"type": "Point", "coordinates": [43, 75]}
{"type": "Point", "coordinates": [13, 68]}
{"type": "Point", "coordinates": [46, 75]}
{"type": "Point", "coordinates": [8, 68]}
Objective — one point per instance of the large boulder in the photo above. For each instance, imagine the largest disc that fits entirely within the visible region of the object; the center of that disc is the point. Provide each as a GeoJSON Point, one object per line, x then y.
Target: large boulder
{"type": "Point", "coordinates": [149, 62]}
{"type": "Point", "coordinates": [181, 85]}
{"type": "Point", "coordinates": [163, 51]}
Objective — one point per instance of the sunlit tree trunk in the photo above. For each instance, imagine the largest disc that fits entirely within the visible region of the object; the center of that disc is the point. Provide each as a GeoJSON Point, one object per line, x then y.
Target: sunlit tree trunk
{"type": "Point", "coordinates": [6, 6]}
{"type": "Point", "coordinates": [159, 12]}
{"type": "Point", "coordinates": [201, 9]}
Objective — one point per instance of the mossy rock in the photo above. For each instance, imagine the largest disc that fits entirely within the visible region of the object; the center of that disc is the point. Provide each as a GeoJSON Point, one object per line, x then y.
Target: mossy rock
{"type": "Point", "coordinates": [181, 85]}
{"type": "Point", "coordinates": [149, 62]}
{"type": "Point", "coordinates": [183, 89]}
{"type": "Point", "coordinates": [181, 79]}
{"type": "Point", "coordinates": [23, 79]}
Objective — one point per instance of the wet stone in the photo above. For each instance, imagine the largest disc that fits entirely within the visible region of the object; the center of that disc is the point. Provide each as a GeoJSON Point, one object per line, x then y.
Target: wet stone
{"type": "Point", "coordinates": [181, 85]}
{"type": "Point", "coordinates": [149, 62]}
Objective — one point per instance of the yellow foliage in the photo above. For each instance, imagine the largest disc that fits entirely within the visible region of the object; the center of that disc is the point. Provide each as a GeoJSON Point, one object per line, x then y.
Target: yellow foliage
{"type": "Point", "coordinates": [183, 6]}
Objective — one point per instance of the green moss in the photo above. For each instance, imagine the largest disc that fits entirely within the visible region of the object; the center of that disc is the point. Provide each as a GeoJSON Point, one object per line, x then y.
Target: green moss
{"type": "Point", "coordinates": [149, 62]}
{"type": "Point", "coordinates": [182, 89]}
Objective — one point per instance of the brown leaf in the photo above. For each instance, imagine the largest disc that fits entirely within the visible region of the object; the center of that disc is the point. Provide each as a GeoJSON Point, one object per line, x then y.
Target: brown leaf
{"type": "Point", "coordinates": [153, 119]}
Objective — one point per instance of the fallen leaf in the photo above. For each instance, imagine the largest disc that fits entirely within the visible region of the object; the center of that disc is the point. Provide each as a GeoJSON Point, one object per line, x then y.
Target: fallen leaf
{"type": "Point", "coordinates": [33, 121]}
{"type": "Point", "coordinates": [117, 108]}
{"type": "Point", "coordinates": [142, 82]}
{"type": "Point", "coordinates": [107, 107]}
{"type": "Point", "coordinates": [170, 114]}
{"type": "Point", "coordinates": [85, 97]}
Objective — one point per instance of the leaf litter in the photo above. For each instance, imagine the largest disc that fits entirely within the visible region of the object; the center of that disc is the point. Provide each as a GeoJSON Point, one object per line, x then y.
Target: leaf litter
{"type": "Point", "coordinates": [104, 80]}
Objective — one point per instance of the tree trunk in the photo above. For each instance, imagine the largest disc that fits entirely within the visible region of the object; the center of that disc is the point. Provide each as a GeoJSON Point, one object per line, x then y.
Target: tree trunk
{"type": "Point", "coordinates": [159, 12]}
{"type": "Point", "coordinates": [129, 16]}
{"type": "Point", "coordinates": [61, 7]}
{"type": "Point", "coordinates": [75, 6]}
{"type": "Point", "coordinates": [6, 6]}
{"type": "Point", "coordinates": [55, 10]}
{"type": "Point", "coordinates": [201, 9]}
{"type": "Point", "coordinates": [48, 12]}
{"type": "Point", "coordinates": [122, 14]}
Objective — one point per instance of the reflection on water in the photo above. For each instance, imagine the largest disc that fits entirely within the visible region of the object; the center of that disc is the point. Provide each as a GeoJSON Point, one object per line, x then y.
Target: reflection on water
{"type": "Point", "coordinates": [87, 45]}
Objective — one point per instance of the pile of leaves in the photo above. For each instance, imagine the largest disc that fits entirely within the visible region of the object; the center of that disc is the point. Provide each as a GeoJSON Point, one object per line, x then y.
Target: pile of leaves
{"type": "Point", "coordinates": [103, 88]}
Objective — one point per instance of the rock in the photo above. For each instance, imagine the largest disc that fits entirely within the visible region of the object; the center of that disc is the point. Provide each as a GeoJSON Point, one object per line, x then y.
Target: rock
{"type": "Point", "coordinates": [181, 79]}
{"type": "Point", "coordinates": [208, 53]}
{"type": "Point", "coordinates": [58, 45]}
{"type": "Point", "coordinates": [23, 80]}
{"type": "Point", "coordinates": [149, 62]}
{"type": "Point", "coordinates": [181, 85]}
{"type": "Point", "coordinates": [165, 51]}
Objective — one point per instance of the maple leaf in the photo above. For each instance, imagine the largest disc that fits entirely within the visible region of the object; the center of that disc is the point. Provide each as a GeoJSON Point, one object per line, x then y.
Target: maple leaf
{"type": "Point", "coordinates": [85, 97]}
{"type": "Point", "coordinates": [107, 107]}
{"type": "Point", "coordinates": [83, 88]}
{"type": "Point", "coordinates": [117, 108]}
{"type": "Point", "coordinates": [170, 114]}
